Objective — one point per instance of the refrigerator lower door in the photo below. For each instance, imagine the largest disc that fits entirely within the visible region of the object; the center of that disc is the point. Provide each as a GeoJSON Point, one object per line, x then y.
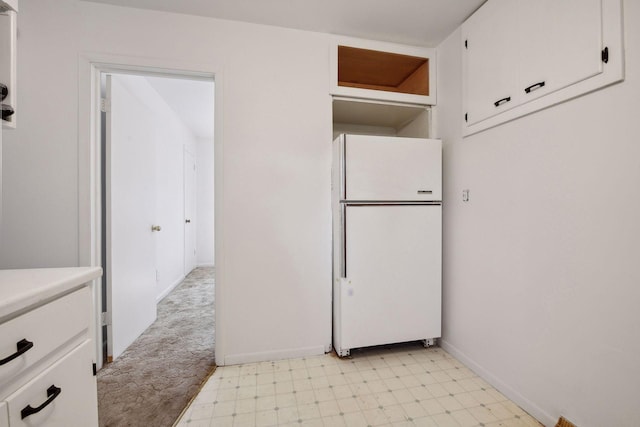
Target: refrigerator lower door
{"type": "Point", "coordinates": [392, 290]}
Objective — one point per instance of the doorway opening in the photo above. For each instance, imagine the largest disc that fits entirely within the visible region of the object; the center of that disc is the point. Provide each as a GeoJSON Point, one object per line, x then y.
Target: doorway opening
{"type": "Point", "coordinates": [154, 236]}
{"type": "Point", "coordinates": [157, 194]}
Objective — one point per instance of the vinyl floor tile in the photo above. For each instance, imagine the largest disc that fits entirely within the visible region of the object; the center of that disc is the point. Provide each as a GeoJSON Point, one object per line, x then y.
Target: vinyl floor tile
{"type": "Point", "coordinates": [404, 385]}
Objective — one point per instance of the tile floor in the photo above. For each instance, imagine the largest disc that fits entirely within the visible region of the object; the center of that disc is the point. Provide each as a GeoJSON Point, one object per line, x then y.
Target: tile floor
{"type": "Point", "coordinates": [397, 385]}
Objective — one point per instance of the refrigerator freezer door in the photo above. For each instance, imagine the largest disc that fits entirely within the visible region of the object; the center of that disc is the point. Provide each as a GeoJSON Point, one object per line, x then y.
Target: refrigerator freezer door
{"type": "Point", "coordinates": [393, 269]}
{"type": "Point", "coordinates": [389, 168]}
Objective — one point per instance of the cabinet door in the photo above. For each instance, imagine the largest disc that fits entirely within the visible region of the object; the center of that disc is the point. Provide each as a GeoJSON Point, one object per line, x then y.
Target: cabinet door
{"type": "Point", "coordinates": [68, 386]}
{"type": "Point", "coordinates": [561, 43]}
{"type": "Point", "coordinates": [490, 57]}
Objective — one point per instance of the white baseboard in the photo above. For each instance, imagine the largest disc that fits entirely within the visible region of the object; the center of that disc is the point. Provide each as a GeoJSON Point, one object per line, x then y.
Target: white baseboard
{"type": "Point", "coordinates": [238, 359]}
{"type": "Point", "coordinates": [169, 289]}
{"type": "Point", "coordinates": [500, 385]}
{"type": "Point", "coordinates": [205, 265]}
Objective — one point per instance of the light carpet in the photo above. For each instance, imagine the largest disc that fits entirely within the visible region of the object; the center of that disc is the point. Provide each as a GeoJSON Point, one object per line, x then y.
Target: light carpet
{"type": "Point", "coordinates": [158, 375]}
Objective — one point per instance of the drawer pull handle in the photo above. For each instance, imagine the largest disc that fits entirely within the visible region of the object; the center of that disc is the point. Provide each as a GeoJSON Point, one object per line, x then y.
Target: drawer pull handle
{"type": "Point", "coordinates": [23, 346]}
{"type": "Point", "coordinates": [499, 102]}
{"type": "Point", "coordinates": [52, 393]}
{"type": "Point", "coordinates": [425, 192]}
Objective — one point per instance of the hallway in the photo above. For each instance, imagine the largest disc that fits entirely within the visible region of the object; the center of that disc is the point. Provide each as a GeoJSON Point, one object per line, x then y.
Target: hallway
{"type": "Point", "coordinates": [157, 376]}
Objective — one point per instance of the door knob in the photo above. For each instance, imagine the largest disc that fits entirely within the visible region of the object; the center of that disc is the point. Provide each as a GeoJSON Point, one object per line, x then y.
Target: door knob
{"type": "Point", "coordinates": [156, 228]}
{"type": "Point", "coordinates": [187, 221]}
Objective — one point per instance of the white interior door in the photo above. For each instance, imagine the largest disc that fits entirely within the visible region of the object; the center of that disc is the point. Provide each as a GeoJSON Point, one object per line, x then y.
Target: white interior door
{"type": "Point", "coordinates": [190, 186]}
{"type": "Point", "coordinates": [393, 269]}
{"type": "Point", "coordinates": [130, 210]}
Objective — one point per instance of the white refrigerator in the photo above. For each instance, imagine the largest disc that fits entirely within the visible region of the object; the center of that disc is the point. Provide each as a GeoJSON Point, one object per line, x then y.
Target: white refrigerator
{"type": "Point", "coordinates": [387, 240]}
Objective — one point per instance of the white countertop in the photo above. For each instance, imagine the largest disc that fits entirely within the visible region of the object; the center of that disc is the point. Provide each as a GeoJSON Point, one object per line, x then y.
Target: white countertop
{"type": "Point", "coordinates": [21, 289]}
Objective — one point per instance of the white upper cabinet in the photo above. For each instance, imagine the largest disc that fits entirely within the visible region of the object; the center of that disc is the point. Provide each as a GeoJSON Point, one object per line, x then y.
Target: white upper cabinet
{"type": "Point", "coordinates": [560, 44]}
{"type": "Point", "coordinates": [520, 56]}
{"type": "Point", "coordinates": [374, 70]}
{"type": "Point", "coordinates": [491, 51]}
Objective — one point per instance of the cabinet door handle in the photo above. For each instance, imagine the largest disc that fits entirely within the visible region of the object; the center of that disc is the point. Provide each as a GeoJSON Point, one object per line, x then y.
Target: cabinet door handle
{"type": "Point", "coordinates": [499, 102]}
{"type": "Point", "coordinates": [534, 86]}
{"type": "Point", "coordinates": [52, 393]}
{"type": "Point", "coordinates": [4, 91]}
{"type": "Point", "coordinates": [7, 111]}
{"type": "Point", "coordinates": [23, 346]}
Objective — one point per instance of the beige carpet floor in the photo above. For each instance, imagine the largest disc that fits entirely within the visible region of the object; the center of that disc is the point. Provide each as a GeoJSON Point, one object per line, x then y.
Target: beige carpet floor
{"type": "Point", "coordinates": [158, 375]}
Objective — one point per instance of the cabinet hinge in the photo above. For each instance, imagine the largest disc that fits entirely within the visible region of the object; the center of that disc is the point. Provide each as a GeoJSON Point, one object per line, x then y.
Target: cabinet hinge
{"type": "Point", "coordinates": [95, 369]}
{"type": "Point", "coordinates": [105, 105]}
{"type": "Point", "coordinates": [466, 44]}
{"type": "Point", "coordinates": [605, 55]}
{"type": "Point", "coordinates": [466, 117]}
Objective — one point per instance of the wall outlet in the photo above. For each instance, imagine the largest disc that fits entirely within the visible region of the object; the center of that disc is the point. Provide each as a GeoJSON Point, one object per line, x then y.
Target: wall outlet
{"type": "Point", "coordinates": [465, 195]}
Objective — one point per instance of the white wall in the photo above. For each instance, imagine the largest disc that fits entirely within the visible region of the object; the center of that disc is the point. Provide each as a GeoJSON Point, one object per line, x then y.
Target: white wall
{"type": "Point", "coordinates": [541, 273]}
{"type": "Point", "coordinates": [205, 203]}
{"type": "Point", "coordinates": [276, 126]}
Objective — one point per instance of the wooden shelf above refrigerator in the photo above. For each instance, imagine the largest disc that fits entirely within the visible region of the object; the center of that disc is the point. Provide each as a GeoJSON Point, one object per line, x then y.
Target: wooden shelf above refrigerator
{"type": "Point", "coordinates": [381, 71]}
{"type": "Point", "coordinates": [387, 71]}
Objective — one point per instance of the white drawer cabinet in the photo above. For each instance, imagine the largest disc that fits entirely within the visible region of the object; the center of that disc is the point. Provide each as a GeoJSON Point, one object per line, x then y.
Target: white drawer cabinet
{"type": "Point", "coordinates": [46, 348]}
{"type": "Point", "coordinates": [63, 395]}
{"type": "Point", "coordinates": [39, 332]}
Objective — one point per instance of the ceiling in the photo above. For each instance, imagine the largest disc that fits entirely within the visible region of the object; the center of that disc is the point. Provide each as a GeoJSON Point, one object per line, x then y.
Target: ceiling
{"type": "Point", "coordinates": [191, 100]}
{"type": "Point", "coordinates": [414, 22]}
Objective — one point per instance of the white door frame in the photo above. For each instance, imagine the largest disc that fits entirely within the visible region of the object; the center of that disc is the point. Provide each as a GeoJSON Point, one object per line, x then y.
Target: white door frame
{"type": "Point", "coordinates": [89, 159]}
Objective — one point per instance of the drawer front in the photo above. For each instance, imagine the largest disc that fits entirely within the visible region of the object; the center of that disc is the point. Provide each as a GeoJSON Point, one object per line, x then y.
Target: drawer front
{"type": "Point", "coordinates": [70, 388]}
{"type": "Point", "coordinates": [4, 417]}
{"type": "Point", "coordinates": [46, 328]}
